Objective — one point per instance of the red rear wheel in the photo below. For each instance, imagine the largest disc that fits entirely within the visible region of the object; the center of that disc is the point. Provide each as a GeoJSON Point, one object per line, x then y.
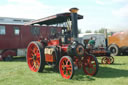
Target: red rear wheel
{"type": "Point", "coordinates": [35, 56]}
{"type": "Point", "coordinates": [66, 67]}
{"type": "Point", "coordinates": [90, 65]}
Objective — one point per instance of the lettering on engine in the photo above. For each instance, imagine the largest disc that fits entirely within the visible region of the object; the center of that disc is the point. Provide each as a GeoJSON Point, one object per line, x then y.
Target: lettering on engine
{"type": "Point", "coordinates": [50, 54]}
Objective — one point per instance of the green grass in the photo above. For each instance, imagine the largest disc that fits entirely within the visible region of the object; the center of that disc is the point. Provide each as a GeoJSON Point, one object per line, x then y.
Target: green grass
{"type": "Point", "coordinates": [18, 73]}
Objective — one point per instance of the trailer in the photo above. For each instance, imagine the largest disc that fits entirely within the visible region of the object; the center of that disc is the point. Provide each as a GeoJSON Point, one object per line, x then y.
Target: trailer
{"type": "Point", "coordinates": [14, 38]}
{"type": "Point", "coordinates": [118, 43]}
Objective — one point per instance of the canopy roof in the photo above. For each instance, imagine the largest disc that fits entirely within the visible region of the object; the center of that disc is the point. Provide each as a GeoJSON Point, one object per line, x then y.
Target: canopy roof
{"type": "Point", "coordinates": [55, 19]}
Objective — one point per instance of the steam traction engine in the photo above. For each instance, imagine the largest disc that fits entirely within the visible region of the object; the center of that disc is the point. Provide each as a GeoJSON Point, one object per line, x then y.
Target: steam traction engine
{"type": "Point", "coordinates": [62, 51]}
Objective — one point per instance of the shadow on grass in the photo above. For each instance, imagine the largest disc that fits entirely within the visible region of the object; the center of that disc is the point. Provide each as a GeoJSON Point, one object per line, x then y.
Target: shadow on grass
{"type": "Point", "coordinates": [19, 59]}
{"type": "Point", "coordinates": [49, 69]}
{"type": "Point", "coordinates": [118, 64]}
{"type": "Point", "coordinates": [114, 64]}
{"type": "Point", "coordinates": [78, 75]}
{"type": "Point", "coordinates": [104, 72]}
{"type": "Point", "coordinates": [107, 72]}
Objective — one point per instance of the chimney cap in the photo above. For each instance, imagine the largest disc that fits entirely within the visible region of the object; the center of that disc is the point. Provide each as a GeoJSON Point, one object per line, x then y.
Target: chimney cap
{"type": "Point", "coordinates": [73, 10]}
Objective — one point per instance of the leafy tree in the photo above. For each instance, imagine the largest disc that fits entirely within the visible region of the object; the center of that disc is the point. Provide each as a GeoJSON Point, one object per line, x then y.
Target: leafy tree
{"type": "Point", "coordinates": [79, 31]}
{"type": "Point", "coordinates": [95, 31]}
{"type": "Point", "coordinates": [88, 31]}
{"type": "Point", "coordinates": [101, 30]}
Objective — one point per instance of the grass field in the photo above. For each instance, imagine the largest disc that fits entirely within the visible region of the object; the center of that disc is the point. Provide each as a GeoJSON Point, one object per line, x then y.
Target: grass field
{"type": "Point", "coordinates": [18, 73]}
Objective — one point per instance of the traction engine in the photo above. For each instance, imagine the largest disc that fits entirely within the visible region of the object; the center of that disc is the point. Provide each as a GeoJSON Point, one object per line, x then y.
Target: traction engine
{"type": "Point", "coordinates": [61, 51]}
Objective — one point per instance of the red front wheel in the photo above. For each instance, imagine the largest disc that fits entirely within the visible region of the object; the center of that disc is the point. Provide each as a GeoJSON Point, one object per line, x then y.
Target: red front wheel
{"type": "Point", "coordinates": [105, 60]}
{"type": "Point", "coordinates": [66, 67]}
{"type": "Point", "coordinates": [35, 57]}
{"type": "Point", "coordinates": [90, 65]}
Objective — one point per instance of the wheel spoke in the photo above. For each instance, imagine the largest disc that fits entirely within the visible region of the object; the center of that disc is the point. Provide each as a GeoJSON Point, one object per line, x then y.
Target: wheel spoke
{"type": "Point", "coordinates": [63, 66]}
{"type": "Point", "coordinates": [38, 63]}
{"type": "Point", "coordinates": [33, 67]}
{"type": "Point", "coordinates": [30, 58]}
{"type": "Point", "coordinates": [66, 72]}
{"type": "Point", "coordinates": [38, 55]}
{"type": "Point", "coordinates": [34, 50]}
{"type": "Point", "coordinates": [68, 67]}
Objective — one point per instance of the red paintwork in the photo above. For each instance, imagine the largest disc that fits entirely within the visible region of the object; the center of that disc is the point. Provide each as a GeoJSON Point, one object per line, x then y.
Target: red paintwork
{"type": "Point", "coordinates": [65, 47]}
{"type": "Point", "coordinates": [58, 43]}
{"type": "Point", "coordinates": [54, 42]}
{"type": "Point", "coordinates": [11, 41]}
{"type": "Point", "coordinates": [77, 62]}
{"type": "Point", "coordinates": [49, 58]}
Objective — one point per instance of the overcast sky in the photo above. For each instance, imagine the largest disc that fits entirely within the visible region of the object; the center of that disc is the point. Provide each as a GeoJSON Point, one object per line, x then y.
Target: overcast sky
{"type": "Point", "coordinates": [111, 14]}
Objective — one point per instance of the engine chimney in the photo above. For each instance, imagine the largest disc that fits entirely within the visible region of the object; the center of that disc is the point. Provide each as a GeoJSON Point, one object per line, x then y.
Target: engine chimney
{"type": "Point", "coordinates": [74, 18]}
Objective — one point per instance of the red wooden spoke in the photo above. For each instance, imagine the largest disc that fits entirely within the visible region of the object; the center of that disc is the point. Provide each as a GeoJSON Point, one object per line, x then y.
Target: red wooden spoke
{"type": "Point", "coordinates": [30, 58]}
{"type": "Point", "coordinates": [33, 67]}
{"type": "Point", "coordinates": [37, 63]}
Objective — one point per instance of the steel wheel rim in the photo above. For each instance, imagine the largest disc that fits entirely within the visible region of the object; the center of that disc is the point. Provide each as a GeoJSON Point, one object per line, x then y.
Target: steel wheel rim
{"type": "Point", "coordinates": [89, 66]}
{"type": "Point", "coordinates": [65, 68]}
{"type": "Point", "coordinates": [33, 57]}
{"type": "Point", "coordinates": [112, 60]}
{"type": "Point", "coordinates": [113, 50]}
{"type": "Point", "coordinates": [106, 60]}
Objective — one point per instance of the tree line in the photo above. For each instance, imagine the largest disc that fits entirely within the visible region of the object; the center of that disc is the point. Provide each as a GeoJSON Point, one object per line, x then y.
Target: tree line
{"type": "Point", "coordinates": [96, 31]}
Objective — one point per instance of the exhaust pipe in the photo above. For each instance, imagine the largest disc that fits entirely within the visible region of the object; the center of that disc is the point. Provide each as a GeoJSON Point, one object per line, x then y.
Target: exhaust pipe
{"type": "Point", "coordinates": [74, 18]}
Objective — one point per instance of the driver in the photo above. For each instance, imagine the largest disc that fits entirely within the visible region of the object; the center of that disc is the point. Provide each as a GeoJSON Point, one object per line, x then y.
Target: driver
{"type": "Point", "coordinates": [91, 43]}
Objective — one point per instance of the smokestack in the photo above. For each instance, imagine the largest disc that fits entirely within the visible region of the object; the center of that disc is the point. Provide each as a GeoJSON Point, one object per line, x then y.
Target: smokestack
{"type": "Point", "coordinates": [74, 18]}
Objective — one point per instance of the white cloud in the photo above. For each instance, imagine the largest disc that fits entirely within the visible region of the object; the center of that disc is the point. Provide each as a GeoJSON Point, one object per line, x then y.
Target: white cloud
{"type": "Point", "coordinates": [120, 0]}
{"type": "Point", "coordinates": [121, 12]}
{"type": "Point", "coordinates": [99, 2]}
{"type": "Point", "coordinates": [26, 9]}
